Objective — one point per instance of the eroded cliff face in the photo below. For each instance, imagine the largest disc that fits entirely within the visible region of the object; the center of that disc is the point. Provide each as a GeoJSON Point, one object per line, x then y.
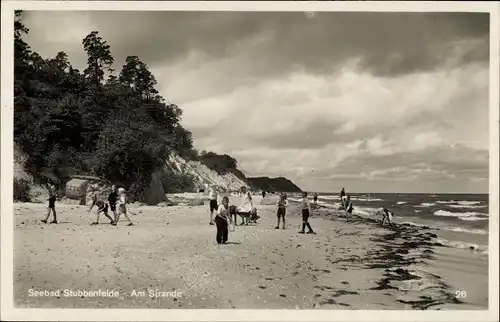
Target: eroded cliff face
{"type": "Point", "coordinates": [204, 176]}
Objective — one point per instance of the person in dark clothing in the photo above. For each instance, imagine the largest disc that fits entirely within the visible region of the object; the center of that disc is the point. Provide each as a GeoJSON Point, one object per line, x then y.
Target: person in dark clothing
{"type": "Point", "coordinates": [222, 220]}
{"type": "Point", "coordinates": [348, 207]}
{"type": "Point", "coordinates": [233, 211]}
{"type": "Point", "coordinates": [342, 195]}
{"type": "Point", "coordinates": [263, 194]}
{"type": "Point", "coordinates": [52, 204]}
{"type": "Point", "coordinates": [306, 212]}
{"type": "Point", "coordinates": [112, 198]}
{"type": "Point", "coordinates": [101, 207]}
{"type": "Point", "coordinates": [315, 198]}
{"type": "Point", "coordinates": [281, 210]}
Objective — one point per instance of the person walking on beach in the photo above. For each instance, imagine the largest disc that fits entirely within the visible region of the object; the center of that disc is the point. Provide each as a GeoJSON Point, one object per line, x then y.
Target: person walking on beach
{"type": "Point", "coordinates": [101, 207]}
{"type": "Point", "coordinates": [246, 206]}
{"type": "Point", "coordinates": [306, 212]}
{"type": "Point", "coordinates": [281, 211]}
{"type": "Point", "coordinates": [52, 204]}
{"type": "Point", "coordinates": [121, 206]}
{"type": "Point", "coordinates": [212, 196]}
{"type": "Point", "coordinates": [315, 198]}
{"type": "Point", "coordinates": [222, 221]}
{"type": "Point", "coordinates": [263, 193]}
{"type": "Point", "coordinates": [348, 207]}
{"type": "Point", "coordinates": [112, 198]}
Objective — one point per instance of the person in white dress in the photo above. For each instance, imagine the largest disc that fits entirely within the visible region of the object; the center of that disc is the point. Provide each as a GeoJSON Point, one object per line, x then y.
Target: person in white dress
{"type": "Point", "coordinates": [246, 206]}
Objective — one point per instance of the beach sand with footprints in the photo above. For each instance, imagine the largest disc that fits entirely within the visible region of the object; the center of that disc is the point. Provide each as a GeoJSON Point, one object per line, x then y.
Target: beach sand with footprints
{"type": "Point", "coordinates": [347, 265]}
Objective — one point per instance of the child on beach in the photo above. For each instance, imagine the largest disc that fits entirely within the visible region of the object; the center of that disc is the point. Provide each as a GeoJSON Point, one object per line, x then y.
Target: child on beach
{"type": "Point", "coordinates": [306, 212]}
{"type": "Point", "coordinates": [112, 198]}
{"type": "Point", "coordinates": [213, 196]}
{"type": "Point", "coordinates": [101, 207]}
{"type": "Point", "coordinates": [121, 206]}
{"type": "Point", "coordinates": [52, 204]}
{"type": "Point", "coordinates": [222, 221]}
{"type": "Point", "coordinates": [348, 207]}
{"type": "Point", "coordinates": [281, 211]}
{"type": "Point", "coordinates": [315, 198]}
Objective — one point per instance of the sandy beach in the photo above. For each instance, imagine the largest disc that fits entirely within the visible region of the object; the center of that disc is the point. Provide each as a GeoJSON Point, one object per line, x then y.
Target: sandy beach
{"type": "Point", "coordinates": [347, 265]}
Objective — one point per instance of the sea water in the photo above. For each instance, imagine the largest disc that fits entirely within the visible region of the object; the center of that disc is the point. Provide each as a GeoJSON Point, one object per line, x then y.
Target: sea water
{"type": "Point", "coordinates": [461, 220]}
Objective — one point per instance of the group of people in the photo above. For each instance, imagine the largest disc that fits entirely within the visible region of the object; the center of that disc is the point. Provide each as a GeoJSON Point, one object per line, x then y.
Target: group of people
{"type": "Point", "coordinates": [305, 210]}
{"type": "Point", "coordinates": [117, 203]}
{"type": "Point", "coordinates": [225, 215]}
{"type": "Point", "coordinates": [382, 211]}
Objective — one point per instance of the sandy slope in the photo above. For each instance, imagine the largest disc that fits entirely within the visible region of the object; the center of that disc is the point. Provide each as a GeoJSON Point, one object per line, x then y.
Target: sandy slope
{"type": "Point", "coordinates": [173, 248]}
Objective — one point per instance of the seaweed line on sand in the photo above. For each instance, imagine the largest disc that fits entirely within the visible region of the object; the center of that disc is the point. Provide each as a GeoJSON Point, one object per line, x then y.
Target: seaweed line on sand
{"type": "Point", "coordinates": [404, 246]}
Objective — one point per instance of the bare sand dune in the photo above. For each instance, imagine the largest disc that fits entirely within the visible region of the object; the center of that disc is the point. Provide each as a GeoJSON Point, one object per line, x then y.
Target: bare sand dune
{"type": "Point", "coordinates": [356, 265]}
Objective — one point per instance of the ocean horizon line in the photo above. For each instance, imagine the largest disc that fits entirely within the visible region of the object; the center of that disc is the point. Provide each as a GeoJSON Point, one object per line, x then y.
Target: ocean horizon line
{"type": "Point", "coordinates": [400, 193]}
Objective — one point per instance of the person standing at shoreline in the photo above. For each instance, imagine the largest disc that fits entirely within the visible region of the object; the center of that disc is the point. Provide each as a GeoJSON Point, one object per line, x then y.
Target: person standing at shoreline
{"type": "Point", "coordinates": [52, 204]}
{"type": "Point", "coordinates": [342, 195]}
{"type": "Point", "coordinates": [112, 198]}
{"type": "Point", "coordinates": [212, 196]}
{"type": "Point", "coordinates": [348, 207]}
{"type": "Point", "coordinates": [222, 221]}
{"type": "Point", "coordinates": [281, 211]}
{"type": "Point", "coordinates": [306, 212]}
{"type": "Point", "coordinates": [315, 198]}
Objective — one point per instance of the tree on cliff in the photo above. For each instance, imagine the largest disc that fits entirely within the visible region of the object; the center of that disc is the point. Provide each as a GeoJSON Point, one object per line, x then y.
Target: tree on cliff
{"type": "Point", "coordinates": [93, 122]}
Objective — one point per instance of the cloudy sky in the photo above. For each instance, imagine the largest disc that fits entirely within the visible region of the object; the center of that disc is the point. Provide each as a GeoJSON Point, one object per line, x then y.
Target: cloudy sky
{"type": "Point", "coordinates": [373, 102]}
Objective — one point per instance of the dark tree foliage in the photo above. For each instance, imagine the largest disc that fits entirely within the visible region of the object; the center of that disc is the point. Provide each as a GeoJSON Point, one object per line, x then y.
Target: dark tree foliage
{"type": "Point", "coordinates": [93, 122]}
{"type": "Point", "coordinates": [99, 58]}
{"type": "Point", "coordinates": [219, 163]}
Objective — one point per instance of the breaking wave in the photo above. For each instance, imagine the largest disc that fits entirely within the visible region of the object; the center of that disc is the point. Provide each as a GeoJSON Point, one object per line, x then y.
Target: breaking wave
{"type": "Point", "coordinates": [468, 216]}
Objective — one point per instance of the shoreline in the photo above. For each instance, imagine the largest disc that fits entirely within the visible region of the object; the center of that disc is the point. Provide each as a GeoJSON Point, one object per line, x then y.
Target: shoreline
{"type": "Point", "coordinates": [354, 265]}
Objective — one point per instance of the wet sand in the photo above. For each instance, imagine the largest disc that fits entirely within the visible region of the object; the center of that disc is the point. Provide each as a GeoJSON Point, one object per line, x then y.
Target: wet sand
{"type": "Point", "coordinates": [347, 265]}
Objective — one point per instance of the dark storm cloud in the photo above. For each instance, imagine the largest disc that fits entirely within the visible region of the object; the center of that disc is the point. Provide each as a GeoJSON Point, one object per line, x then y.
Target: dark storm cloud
{"type": "Point", "coordinates": [388, 44]}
